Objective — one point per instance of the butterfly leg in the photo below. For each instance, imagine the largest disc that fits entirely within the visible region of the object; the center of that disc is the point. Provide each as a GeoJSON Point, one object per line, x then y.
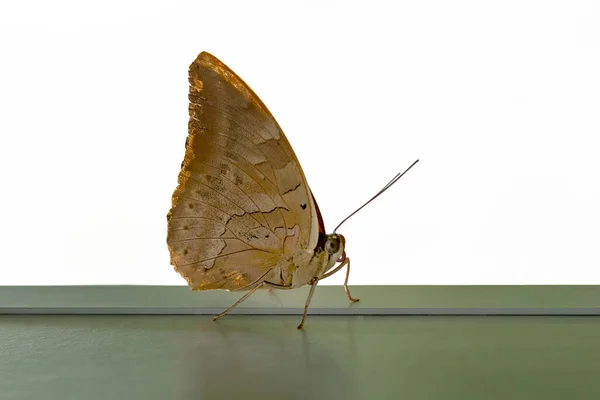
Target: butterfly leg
{"type": "Point", "coordinates": [244, 297]}
{"type": "Point", "coordinates": [310, 295]}
{"type": "Point", "coordinates": [352, 299]}
{"type": "Point", "coordinates": [333, 271]}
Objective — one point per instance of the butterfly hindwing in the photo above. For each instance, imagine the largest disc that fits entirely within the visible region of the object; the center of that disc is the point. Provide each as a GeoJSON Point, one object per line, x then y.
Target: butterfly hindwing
{"type": "Point", "coordinates": [242, 201]}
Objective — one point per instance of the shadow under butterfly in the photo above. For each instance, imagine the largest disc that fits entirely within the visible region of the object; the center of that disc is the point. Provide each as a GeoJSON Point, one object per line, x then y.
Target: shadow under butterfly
{"type": "Point", "coordinates": [243, 217]}
{"type": "Point", "coordinates": [266, 361]}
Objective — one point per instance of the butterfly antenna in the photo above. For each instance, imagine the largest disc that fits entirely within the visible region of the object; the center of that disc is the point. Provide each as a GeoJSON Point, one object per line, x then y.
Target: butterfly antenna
{"type": "Point", "coordinates": [386, 187]}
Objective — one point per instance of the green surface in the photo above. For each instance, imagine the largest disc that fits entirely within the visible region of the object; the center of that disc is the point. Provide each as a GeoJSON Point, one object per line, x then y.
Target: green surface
{"type": "Point", "coordinates": [264, 357]}
{"type": "Point", "coordinates": [327, 300]}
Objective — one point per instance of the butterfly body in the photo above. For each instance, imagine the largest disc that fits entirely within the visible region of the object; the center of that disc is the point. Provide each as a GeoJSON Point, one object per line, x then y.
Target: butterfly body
{"type": "Point", "coordinates": [301, 268]}
{"type": "Point", "coordinates": [243, 217]}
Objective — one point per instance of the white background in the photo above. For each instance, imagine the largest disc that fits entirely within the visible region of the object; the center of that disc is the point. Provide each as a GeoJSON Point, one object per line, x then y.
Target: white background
{"type": "Point", "coordinates": [499, 100]}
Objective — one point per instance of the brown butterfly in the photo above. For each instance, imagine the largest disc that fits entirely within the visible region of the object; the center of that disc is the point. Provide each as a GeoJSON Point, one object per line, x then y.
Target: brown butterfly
{"type": "Point", "coordinates": [243, 217]}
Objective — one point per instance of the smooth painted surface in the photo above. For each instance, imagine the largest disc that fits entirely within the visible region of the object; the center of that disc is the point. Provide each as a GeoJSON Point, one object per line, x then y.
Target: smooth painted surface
{"type": "Point", "coordinates": [264, 357]}
{"type": "Point", "coordinates": [331, 300]}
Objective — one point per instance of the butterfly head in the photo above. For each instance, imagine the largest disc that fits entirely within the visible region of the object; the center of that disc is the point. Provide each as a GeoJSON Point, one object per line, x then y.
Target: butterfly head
{"type": "Point", "coordinates": [334, 246]}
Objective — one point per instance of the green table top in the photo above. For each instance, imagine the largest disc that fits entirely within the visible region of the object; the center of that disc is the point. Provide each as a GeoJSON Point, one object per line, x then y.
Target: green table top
{"type": "Point", "coordinates": [264, 357]}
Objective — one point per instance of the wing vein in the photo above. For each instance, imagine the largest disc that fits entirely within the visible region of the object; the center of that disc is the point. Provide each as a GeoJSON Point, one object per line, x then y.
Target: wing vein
{"type": "Point", "coordinates": [247, 174]}
{"type": "Point", "coordinates": [221, 255]}
{"type": "Point", "coordinates": [221, 238]}
{"type": "Point", "coordinates": [258, 149]}
{"type": "Point", "coordinates": [232, 162]}
{"type": "Point", "coordinates": [250, 198]}
{"type": "Point", "coordinates": [231, 231]}
{"type": "Point", "coordinates": [209, 219]}
{"type": "Point", "coordinates": [236, 205]}
{"type": "Point", "coordinates": [216, 208]}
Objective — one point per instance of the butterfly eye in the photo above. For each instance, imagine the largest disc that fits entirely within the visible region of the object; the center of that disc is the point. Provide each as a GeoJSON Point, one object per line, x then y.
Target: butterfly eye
{"type": "Point", "coordinates": [332, 245]}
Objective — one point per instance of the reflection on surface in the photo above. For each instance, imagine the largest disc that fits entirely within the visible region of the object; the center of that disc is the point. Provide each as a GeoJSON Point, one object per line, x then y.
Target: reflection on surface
{"type": "Point", "coordinates": [240, 357]}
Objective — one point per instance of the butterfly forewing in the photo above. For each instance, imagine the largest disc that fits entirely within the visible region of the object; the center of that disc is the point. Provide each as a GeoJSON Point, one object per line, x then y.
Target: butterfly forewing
{"type": "Point", "coordinates": [242, 201]}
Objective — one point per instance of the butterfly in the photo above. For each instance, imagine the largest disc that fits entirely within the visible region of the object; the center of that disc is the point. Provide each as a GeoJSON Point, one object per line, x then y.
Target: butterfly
{"type": "Point", "coordinates": [243, 216]}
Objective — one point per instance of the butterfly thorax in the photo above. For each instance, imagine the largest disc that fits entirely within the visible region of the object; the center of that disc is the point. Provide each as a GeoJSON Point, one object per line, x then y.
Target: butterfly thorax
{"type": "Point", "coordinates": [303, 266]}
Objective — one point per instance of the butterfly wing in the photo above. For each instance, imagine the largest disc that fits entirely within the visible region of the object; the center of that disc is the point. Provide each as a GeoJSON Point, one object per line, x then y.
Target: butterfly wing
{"type": "Point", "coordinates": [242, 201]}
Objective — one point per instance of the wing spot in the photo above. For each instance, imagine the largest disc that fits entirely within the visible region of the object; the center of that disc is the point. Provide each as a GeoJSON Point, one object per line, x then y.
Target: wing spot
{"type": "Point", "coordinates": [190, 205]}
{"type": "Point", "coordinates": [303, 206]}
{"type": "Point", "coordinates": [185, 251]}
{"type": "Point", "coordinates": [185, 228]}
